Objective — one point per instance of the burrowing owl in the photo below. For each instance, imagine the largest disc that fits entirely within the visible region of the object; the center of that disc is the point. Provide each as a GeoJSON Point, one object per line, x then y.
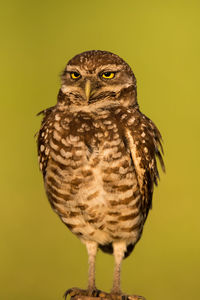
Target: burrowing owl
{"type": "Point", "coordinates": [97, 152]}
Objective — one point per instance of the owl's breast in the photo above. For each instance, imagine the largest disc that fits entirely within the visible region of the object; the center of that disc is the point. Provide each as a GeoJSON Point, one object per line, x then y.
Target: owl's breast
{"type": "Point", "coordinates": [91, 181]}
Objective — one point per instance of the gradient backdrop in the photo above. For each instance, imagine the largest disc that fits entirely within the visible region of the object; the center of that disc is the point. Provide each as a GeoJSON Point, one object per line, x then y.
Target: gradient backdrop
{"type": "Point", "coordinates": [39, 257]}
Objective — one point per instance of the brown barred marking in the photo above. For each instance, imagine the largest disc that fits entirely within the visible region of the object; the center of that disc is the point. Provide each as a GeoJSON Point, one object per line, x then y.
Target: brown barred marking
{"type": "Point", "coordinates": [86, 173]}
{"type": "Point", "coordinates": [113, 202]}
{"type": "Point", "coordinates": [122, 188]}
{"type": "Point", "coordinates": [129, 217]}
{"type": "Point", "coordinates": [92, 196]}
{"type": "Point", "coordinates": [63, 196]}
{"type": "Point", "coordinates": [62, 211]}
{"type": "Point", "coordinates": [127, 200]}
{"type": "Point", "coordinates": [111, 170]}
{"type": "Point", "coordinates": [112, 222]}
{"type": "Point", "coordinates": [115, 237]}
{"type": "Point", "coordinates": [71, 226]}
{"type": "Point", "coordinates": [53, 182]}
{"type": "Point", "coordinates": [82, 206]}
{"type": "Point", "coordinates": [94, 220]}
{"type": "Point", "coordinates": [56, 171]}
{"type": "Point", "coordinates": [76, 181]}
{"type": "Point", "coordinates": [114, 213]}
{"type": "Point", "coordinates": [135, 205]}
{"type": "Point", "coordinates": [58, 163]}
{"type": "Point", "coordinates": [54, 200]}
{"type": "Point", "coordinates": [55, 142]}
{"type": "Point", "coordinates": [102, 227]}
{"type": "Point", "coordinates": [132, 228]}
{"type": "Point", "coordinates": [73, 214]}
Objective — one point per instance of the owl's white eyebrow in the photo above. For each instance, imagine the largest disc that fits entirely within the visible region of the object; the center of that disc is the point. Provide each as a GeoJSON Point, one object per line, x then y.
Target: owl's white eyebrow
{"type": "Point", "coordinates": [110, 67]}
{"type": "Point", "coordinates": [72, 68]}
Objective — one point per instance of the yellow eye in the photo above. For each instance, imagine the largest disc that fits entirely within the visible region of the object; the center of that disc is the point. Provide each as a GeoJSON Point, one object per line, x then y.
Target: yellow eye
{"type": "Point", "coordinates": [75, 75]}
{"type": "Point", "coordinates": [108, 75]}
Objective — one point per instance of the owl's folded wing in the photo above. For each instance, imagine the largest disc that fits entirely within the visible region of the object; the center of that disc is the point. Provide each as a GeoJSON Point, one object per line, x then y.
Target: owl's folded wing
{"type": "Point", "coordinates": [43, 140]}
{"type": "Point", "coordinates": [144, 140]}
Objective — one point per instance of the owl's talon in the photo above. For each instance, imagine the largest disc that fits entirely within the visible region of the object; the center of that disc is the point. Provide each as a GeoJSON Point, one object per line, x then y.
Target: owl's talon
{"type": "Point", "coordinates": [99, 293]}
{"type": "Point", "coordinates": [66, 293]}
{"type": "Point", "coordinates": [126, 297]}
{"type": "Point", "coordinates": [102, 294]}
{"type": "Point", "coordinates": [135, 297]}
{"type": "Point", "coordinates": [75, 292]}
{"type": "Point", "coordinates": [79, 292]}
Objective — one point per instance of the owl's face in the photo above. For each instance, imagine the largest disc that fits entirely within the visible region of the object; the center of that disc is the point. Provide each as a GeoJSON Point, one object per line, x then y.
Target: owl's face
{"type": "Point", "coordinates": [95, 76]}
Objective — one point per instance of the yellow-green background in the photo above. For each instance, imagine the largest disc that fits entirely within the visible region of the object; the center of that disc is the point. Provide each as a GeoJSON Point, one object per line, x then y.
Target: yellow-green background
{"type": "Point", "coordinates": [39, 257]}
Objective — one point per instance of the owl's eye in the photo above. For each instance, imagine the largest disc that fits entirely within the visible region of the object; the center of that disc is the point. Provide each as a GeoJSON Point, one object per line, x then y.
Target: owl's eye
{"type": "Point", "coordinates": [75, 75]}
{"type": "Point", "coordinates": [108, 75]}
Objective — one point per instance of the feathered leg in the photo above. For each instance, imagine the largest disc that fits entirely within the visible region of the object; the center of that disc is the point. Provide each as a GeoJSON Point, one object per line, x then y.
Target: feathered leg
{"type": "Point", "coordinates": [91, 291]}
{"type": "Point", "coordinates": [92, 251]}
{"type": "Point", "coordinates": [119, 249]}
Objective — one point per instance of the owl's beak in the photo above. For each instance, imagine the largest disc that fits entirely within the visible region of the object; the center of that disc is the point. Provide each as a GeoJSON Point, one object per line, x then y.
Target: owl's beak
{"type": "Point", "coordinates": [88, 89]}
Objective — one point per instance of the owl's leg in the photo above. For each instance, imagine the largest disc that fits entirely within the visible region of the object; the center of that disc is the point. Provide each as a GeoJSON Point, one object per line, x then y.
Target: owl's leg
{"type": "Point", "coordinates": [92, 251]}
{"type": "Point", "coordinates": [92, 290]}
{"type": "Point", "coordinates": [119, 249]}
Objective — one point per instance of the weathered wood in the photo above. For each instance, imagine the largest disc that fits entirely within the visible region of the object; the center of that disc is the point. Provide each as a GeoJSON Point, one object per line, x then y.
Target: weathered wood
{"type": "Point", "coordinates": [88, 298]}
{"type": "Point", "coordinates": [134, 297]}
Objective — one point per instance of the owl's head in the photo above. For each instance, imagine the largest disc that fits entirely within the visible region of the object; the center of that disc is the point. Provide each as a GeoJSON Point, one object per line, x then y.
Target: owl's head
{"type": "Point", "coordinates": [97, 76]}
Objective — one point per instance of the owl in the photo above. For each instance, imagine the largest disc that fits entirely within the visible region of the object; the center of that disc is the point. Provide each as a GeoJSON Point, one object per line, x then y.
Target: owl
{"type": "Point", "coordinates": [97, 153]}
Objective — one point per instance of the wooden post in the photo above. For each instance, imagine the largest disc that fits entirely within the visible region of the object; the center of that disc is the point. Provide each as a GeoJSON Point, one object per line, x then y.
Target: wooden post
{"type": "Point", "coordinates": [88, 298]}
{"type": "Point", "coordinates": [107, 297]}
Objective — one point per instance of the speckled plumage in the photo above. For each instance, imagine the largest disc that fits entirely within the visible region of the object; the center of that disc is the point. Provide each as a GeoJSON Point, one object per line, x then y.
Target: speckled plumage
{"type": "Point", "coordinates": [98, 155]}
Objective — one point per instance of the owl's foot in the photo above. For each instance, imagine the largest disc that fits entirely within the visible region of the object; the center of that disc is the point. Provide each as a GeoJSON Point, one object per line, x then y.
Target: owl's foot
{"type": "Point", "coordinates": [73, 292]}
{"type": "Point", "coordinates": [125, 297]}
{"type": "Point", "coordinates": [135, 297]}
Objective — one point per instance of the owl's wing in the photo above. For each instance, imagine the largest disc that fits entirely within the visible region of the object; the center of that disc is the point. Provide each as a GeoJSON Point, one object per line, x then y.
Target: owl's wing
{"type": "Point", "coordinates": [43, 139]}
{"type": "Point", "coordinates": [144, 140]}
